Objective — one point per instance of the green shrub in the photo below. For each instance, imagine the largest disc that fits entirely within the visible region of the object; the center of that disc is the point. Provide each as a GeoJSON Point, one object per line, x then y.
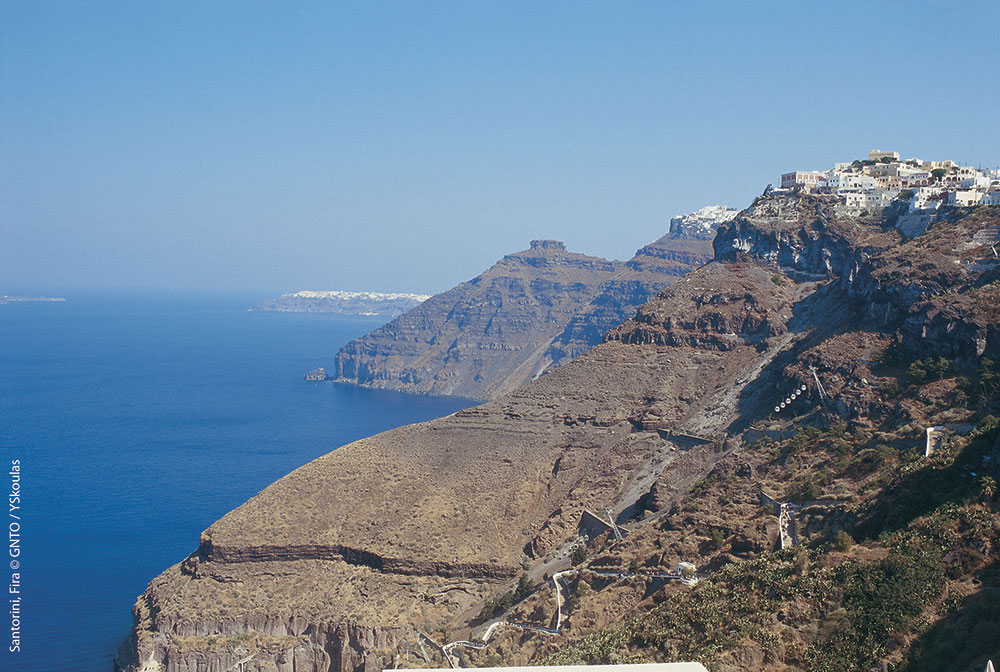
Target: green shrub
{"type": "Point", "coordinates": [890, 355]}
{"type": "Point", "coordinates": [925, 370]}
{"type": "Point", "coordinates": [498, 604]}
{"type": "Point", "coordinates": [986, 381]}
{"type": "Point", "coordinates": [842, 541]}
{"type": "Point", "coordinates": [987, 488]}
{"type": "Point", "coordinates": [880, 599]}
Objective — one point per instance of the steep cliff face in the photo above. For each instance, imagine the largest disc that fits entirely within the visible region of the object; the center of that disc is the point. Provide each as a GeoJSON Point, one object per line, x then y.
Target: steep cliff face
{"type": "Point", "coordinates": [531, 311]}
{"type": "Point", "coordinates": [341, 564]}
{"type": "Point", "coordinates": [942, 286]}
{"type": "Point", "coordinates": [653, 268]}
{"type": "Point", "coordinates": [483, 337]}
{"type": "Point", "coordinates": [815, 235]}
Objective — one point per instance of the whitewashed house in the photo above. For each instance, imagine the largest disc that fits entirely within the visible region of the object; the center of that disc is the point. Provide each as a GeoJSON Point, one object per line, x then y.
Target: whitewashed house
{"type": "Point", "coordinates": [855, 181]}
{"type": "Point", "coordinates": [854, 199]}
{"type": "Point", "coordinates": [922, 199]}
{"type": "Point", "coordinates": [878, 198]}
{"type": "Point", "coordinates": [964, 197]}
{"type": "Point", "coordinates": [977, 181]}
{"type": "Point", "coordinates": [807, 179]}
{"type": "Point", "coordinates": [878, 155]}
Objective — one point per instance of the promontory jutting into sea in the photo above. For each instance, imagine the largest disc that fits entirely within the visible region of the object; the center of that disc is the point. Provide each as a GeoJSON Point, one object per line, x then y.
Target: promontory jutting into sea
{"type": "Point", "coordinates": [769, 440]}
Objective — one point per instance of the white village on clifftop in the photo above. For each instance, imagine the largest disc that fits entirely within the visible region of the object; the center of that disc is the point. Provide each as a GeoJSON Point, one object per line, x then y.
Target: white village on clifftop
{"type": "Point", "coordinates": [884, 177]}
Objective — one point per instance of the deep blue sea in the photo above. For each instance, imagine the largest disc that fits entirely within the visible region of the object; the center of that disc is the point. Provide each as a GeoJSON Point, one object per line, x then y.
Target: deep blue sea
{"type": "Point", "coordinates": [140, 420]}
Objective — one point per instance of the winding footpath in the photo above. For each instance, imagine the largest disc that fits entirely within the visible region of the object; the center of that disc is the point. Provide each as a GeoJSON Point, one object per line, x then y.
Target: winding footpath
{"type": "Point", "coordinates": [685, 573]}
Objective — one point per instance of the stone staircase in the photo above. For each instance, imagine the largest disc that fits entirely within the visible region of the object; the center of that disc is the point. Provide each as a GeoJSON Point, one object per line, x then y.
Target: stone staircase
{"type": "Point", "coordinates": [987, 236]}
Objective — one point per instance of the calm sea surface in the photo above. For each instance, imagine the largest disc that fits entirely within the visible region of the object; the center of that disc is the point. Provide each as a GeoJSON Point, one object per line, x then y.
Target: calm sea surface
{"type": "Point", "coordinates": [138, 422]}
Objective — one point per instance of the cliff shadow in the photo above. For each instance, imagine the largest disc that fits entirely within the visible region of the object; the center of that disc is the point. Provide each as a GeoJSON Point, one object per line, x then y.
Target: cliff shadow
{"type": "Point", "coordinates": [945, 478]}
{"type": "Point", "coordinates": [966, 638]}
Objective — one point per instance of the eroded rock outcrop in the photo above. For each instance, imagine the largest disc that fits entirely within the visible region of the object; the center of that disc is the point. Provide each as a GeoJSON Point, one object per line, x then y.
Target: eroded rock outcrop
{"type": "Point", "coordinates": [653, 268]}
{"type": "Point", "coordinates": [530, 312]}
{"type": "Point", "coordinates": [485, 336]}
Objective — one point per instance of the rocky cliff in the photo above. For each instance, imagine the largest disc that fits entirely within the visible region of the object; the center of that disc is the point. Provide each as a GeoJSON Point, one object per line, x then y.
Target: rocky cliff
{"type": "Point", "coordinates": [342, 564]}
{"type": "Point", "coordinates": [485, 336]}
{"type": "Point", "coordinates": [653, 268]}
{"type": "Point", "coordinates": [531, 311]}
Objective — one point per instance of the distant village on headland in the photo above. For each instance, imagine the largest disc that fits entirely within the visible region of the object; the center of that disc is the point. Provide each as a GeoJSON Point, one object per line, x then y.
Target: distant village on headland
{"type": "Point", "coordinates": [28, 299]}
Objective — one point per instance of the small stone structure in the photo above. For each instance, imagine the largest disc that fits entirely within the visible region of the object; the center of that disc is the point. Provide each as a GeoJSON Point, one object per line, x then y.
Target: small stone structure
{"type": "Point", "coordinates": [592, 526]}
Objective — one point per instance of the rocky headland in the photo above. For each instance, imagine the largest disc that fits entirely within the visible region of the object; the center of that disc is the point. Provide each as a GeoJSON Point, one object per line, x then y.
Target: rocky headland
{"type": "Point", "coordinates": [531, 311]}
{"type": "Point", "coordinates": [367, 556]}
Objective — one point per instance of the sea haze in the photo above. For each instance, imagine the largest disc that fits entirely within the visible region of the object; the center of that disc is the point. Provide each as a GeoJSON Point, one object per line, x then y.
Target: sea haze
{"type": "Point", "coordinates": [138, 422]}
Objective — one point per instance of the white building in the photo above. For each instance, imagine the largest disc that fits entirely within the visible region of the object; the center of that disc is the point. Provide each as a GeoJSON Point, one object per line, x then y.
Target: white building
{"type": "Point", "coordinates": [977, 181]}
{"type": "Point", "coordinates": [920, 178]}
{"type": "Point", "coordinates": [992, 198]}
{"type": "Point", "coordinates": [855, 181]}
{"type": "Point", "coordinates": [922, 198]}
{"type": "Point", "coordinates": [964, 197]}
{"type": "Point", "coordinates": [878, 155]}
{"type": "Point", "coordinates": [855, 199]}
{"type": "Point", "coordinates": [956, 176]}
{"type": "Point", "coordinates": [878, 198]}
{"type": "Point", "coordinates": [800, 178]}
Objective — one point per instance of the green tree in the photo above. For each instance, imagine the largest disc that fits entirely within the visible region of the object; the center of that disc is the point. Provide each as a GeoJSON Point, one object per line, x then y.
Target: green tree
{"type": "Point", "coordinates": [938, 173]}
{"type": "Point", "coordinates": [988, 488]}
{"type": "Point", "coordinates": [579, 555]}
{"type": "Point", "coordinates": [523, 588]}
{"type": "Point", "coordinates": [890, 355]}
{"type": "Point", "coordinates": [842, 541]}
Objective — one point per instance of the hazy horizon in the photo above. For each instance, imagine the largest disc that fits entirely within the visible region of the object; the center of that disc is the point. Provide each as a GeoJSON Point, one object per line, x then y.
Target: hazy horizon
{"type": "Point", "coordinates": [257, 149]}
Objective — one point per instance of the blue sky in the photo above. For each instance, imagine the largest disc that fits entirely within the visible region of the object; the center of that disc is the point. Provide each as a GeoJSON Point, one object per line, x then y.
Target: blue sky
{"type": "Point", "coordinates": [264, 147]}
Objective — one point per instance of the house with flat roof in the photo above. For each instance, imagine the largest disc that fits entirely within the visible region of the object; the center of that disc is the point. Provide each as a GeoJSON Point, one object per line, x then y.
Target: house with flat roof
{"type": "Point", "coordinates": [801, 178]}
{"type": "Point", "coordinates": [878, 155]}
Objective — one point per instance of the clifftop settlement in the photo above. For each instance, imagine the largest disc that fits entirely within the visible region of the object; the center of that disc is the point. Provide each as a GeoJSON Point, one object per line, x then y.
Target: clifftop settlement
{"type": "Point", "coordinates": [884, 178]}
